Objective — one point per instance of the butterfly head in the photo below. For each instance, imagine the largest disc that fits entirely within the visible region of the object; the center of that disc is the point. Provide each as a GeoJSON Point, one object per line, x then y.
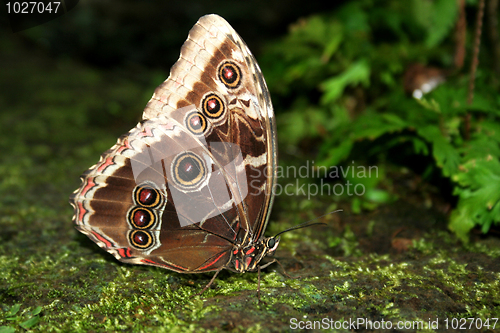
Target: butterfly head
{"type": "Point", "coordinates": [247, 258]}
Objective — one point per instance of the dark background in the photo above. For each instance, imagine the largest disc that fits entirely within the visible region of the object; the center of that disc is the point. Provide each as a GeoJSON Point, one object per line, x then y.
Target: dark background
{"type": "Point", "coordinates": [109, 34]}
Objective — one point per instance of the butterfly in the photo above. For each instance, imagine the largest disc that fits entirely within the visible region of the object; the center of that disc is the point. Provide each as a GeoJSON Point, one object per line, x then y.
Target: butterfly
{"type": "Point", "coordinates": [190, 188]}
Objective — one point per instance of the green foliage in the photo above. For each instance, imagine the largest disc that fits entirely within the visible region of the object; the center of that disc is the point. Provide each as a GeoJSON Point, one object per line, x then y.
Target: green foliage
{"type": "Point", "coordinates": [357, 72]}
{"type": "Point", "coordinates": [429, 14]}
{"type": "Point", "coordinates": [27, 319]}
{"type": "Point", "coordinates": [340, 77]}
{"type": "Point", "coordinates": [479, 192]}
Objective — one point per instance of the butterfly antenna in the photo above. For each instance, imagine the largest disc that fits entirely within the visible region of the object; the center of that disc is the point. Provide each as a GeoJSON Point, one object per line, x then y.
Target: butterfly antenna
{"type": "Point", "coordinates": [308, 223]}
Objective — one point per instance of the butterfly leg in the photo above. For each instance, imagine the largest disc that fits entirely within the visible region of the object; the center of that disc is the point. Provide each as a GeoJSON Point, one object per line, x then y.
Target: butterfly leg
{"type": "Point", "coordinates": [210, 283]}
{"type": "Point", "coordinates": [284, 272]}
{"type": "Point", "coordinates": [283, 268]}
{"type": "Point", "coordinates": [258, 283]}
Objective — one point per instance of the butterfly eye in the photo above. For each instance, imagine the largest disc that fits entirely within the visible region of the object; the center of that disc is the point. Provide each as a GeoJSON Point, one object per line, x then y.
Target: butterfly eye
{"type": "Point", "coordinates": [196, 123]}
{"type": "Point", "coordinates": [229, 74]}
{"type": "Point", "coordinates": [213, 107]}
{"type": "Point", "coordinates": [140, 239]}
{"type": "Point", "coordinates": [188, 170]}
{"type": "Point", "coordinates": [147, 197]}
{"type": "Point", "coordinates": [272, 244]}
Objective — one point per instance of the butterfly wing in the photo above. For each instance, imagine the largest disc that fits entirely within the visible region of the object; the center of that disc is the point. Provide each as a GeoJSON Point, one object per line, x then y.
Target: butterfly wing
{"type": "Point", "coordinates": [206, 153]}
{"type": "Point", "coordinates": [155, 198]}
{"type": "Point", "coordinates": [210, 51]}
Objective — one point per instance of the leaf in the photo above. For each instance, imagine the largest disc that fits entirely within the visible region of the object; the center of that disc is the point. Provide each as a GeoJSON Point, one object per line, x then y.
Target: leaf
{"type": "Point", "coordinates": [479, 196]}
{"type": "Point", "coordinates": [355, 18]}
{"type": "Point", "coordinates": [430, 105]}
{"type": "Point", "coordinates": [30, 322]}
{"type": "Point", "coordinates": [356, 73]}
{"type": "Point", "coordinates": [377, 196]}
{"type": "Point", "coordinates": [301, 122]}
{"type": "Point", "coordinates": [419, 146]}
{"type": "Point", "coordinates": [481, 146]}
{"type": "Point", "coordinates": [393, 119]}
{"type": "Point", "coordinates": [446, 156]}
{"type": "Point", "coordinates": [332, 46]}
{"type": "Point", "coordinates": [13, 310]}
{"type": "Point", "coordinates": [437, 17]}
{"type": "Point", "coordinates": [356, 205]}
{"type": "Point", "coordinates": [461, 222]}
{"type": "Point", "coordinates": [7, 329]}
{"type": "Point", "coordinates": [36, 311]}
{"type": "Point", "coordinates": [491, 130]}
{"type": "Point", "coordinates": [337, 154]}
{"type": "Point", "coordinates": [372, 125]}
{"type": "Point", "coordinates": [444, 16]}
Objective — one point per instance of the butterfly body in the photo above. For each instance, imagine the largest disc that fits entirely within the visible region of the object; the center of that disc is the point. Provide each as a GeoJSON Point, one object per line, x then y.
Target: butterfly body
{"type": "Point", "coordinates": [246, 258]}
{"type": "Point", "coordinates": [190, 188]}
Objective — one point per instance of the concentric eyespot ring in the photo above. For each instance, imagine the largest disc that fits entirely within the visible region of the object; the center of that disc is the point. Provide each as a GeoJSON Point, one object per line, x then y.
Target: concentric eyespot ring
{"type": "Point", "coordinates": [141, 218]}
{"type": "Point", "coordinates": [188, 170]}
{"type": "Point", "coordinates": [147, 196]}
{"type": "Point", "coordinates": [229, 74]}
{"type": "Point", "coordinates": [213, 106]}
{"type": "Point", "coordinates": [140, 239]}
{"type": "Point", "coordinates": [196, 123]}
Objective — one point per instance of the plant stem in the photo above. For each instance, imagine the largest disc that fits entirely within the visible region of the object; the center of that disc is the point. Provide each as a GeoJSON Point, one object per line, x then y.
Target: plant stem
{"type": "Point", "coordinates": [475, 62]}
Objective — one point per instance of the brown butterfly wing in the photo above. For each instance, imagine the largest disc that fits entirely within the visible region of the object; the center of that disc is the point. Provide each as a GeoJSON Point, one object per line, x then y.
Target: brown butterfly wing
{"type": "Point", "coordinates": [206, 151]}
{"type": "Point", "coordinates": [172, 230]}
{"type": "Point", "coordinates": [250, 123]}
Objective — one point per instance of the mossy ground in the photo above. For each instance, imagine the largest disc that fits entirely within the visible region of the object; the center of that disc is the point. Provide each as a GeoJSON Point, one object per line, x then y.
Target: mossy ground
{"type": "Point", "coordinates": [397, 262]}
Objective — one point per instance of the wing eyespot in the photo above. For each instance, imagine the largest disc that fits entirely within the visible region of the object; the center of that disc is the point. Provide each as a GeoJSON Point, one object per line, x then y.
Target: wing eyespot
{"type": "Point", "coordinates": [229, 74]}
{"type": "Point", "coordinates": [141, 239]}
{"type": "Point", "coordinates": [213, 106]}
{"type": "Point", "coordinates": [147, 196]}
{"type": "Point", "coordinates": [196, 123]}
{"type": "Point", "coordinates": [188, 170]}
{"type": "Point", "coordinates": [141, 218]}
